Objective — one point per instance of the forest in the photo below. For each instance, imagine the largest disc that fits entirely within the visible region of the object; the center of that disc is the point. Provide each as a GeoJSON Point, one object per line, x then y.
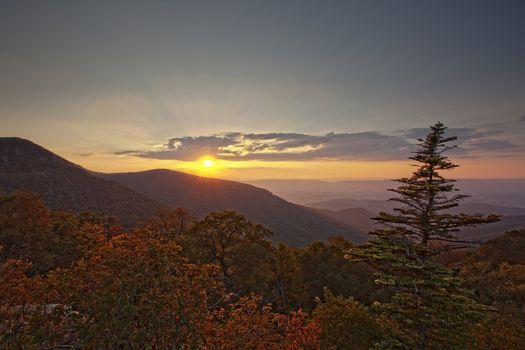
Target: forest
{"type": "Point", "coordinates": [83, 281]}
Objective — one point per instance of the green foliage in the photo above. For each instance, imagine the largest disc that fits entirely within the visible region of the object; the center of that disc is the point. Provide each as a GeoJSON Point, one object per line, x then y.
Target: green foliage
{"type": "Point", "coordinates": [297, 276]}
{"type": "Point", "coordinates": [321, 265]}
{"type": "Point", "coordinates": [345, 323]}
{"type": "Point", "coordinates": [425, 198]}
{"type": "Point", "coordinates": [430, 308]}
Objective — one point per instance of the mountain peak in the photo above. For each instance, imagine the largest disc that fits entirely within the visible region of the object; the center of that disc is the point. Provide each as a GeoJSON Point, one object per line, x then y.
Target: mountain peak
{"type": "Point", "coordinates": [18, 154]}
{"type": "Point", "coordinates": [63, 185]}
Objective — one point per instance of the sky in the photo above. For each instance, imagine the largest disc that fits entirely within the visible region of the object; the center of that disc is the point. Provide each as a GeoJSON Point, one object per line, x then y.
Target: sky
{"type": "Point", "coordinates": [266, 89]}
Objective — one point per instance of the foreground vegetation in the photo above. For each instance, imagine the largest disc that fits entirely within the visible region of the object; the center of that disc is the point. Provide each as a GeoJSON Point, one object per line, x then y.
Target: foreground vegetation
{"type": "Point", "coordinates": [81, 281]}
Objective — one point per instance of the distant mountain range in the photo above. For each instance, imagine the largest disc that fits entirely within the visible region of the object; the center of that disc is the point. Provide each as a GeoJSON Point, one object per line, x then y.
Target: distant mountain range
{"type": "Point", "coordinates": [376, 206]}
{"type": "Point", "coordinates": [502, 192]}
{"type": "Point", "coordinates": [360, 212]}
{"type": "Point", "coordinates": [134, 197]}
{"type": "Point", "coordinates": [341, 200]}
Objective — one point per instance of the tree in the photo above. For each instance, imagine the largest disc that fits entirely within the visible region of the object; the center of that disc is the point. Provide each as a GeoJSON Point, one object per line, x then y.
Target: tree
{"type": "Point", "coordinates": [169, 224]}
{"type": "Point", "coordinates": [246, 324]}
{"type": "Point", "coordinates": [17, 293]}
{"type": "Point", "coordinates": [430, 306]}
{"type": "Point", "coordinates": [48, 239]}
{"type": "Point", "coordinates": [322, 265]}
{"type": "Point", "coordinates": [236, 245]}
{"type": "Point", "coordinates": [134, 292]}
{"type": "Point", "coordinates": [345, 323]}
{"type": "Point", "coordinates": [498, 333]}
{"type": "Point", "coordinates": [496, 272]}
{"type": "Point", "coordinates": [425, 197]}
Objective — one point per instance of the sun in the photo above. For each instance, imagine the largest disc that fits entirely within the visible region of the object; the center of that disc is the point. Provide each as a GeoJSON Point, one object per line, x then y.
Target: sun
{"type": "Point", "coordinates": [206, 166]}
{"type": "Point", "coordinates": [207, 163]}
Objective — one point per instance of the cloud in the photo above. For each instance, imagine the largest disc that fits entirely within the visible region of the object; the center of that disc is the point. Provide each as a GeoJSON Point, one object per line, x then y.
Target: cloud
{"type": "Point", "coordinates": [282, 146]}
{"type": "Point", "coordinates": [128, 152]}
{"type": "Point", "coordinates": [482, 141]}
{"type": "Point", "coordinates": [463, 134]}
{"type": "Point", "coordinates": [367, 146]}
{"type": "Point", "coordinates": [493, 145]}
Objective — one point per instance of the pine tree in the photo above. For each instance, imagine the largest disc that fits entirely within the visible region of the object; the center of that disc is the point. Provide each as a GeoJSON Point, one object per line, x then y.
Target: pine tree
{"type": "Point", "coordinates": [429, 308]}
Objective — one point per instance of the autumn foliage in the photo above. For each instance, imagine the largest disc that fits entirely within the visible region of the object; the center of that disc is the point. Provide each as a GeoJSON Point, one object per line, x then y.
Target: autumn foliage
{"type": "Point", "coordinates": [133, 290]}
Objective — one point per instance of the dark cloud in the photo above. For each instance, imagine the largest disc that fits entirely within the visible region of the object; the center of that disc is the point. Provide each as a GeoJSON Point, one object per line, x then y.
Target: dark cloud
{"type": "Point", "coordinates": [474, 140]}
{"type": "Point", "coordinates": [127, 152]}
{"type": "Point", "coordinates": [89, 154]}
{"type": "Point", "coordinates": [522, 118]}
{"type": "Point", "coordinates": [493, 145]}
{"type": "Point", "coordinates": [332, 146]}
{"type": "Point", "coordinates": [282, 146]}
{"type": "Point", "coordinates": [463, 134]}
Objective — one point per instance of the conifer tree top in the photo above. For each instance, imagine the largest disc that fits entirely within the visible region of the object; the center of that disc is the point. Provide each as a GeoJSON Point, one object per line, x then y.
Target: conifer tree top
{"type": "Point", "coordinates": [427, 196]}
{"type": "Point", "coordinates": [429, 306]}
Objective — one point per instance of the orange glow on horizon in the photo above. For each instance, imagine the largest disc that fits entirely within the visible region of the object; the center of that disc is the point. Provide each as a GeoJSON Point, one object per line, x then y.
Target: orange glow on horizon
{"type": "Point", "coordinates": [481, 168]}
{"type": "Point", "coordinates": [205, 166]}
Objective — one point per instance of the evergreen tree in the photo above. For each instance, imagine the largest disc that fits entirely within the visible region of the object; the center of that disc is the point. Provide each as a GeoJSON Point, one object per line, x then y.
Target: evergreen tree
{"type": "Point", "coordinates": [429, 308]}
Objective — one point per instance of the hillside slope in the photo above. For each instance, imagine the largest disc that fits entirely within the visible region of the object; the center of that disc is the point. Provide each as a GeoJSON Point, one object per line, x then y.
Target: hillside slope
{"type": "Point", "coordinates": [290, 223]}
{"type": "Point", "coordinates": [358, 217]}
{"type": "Point", "coordinates": [67, 186]}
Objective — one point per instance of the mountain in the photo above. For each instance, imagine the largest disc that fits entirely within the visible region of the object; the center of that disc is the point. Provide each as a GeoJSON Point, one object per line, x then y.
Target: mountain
{"type": "Point", "coordinates": [483, 233]}
{"type": "Point", "coordinates": [372, 205]}
{"type": "Point", "coordinates": [308, 191]}
{"type": "Point", "coordinates": [338, 209]}
{"type": "Point", "coordinates": [134, 197]}
{"type": "Point", "coordinates": [504, 192]}
{"type": "Point", "coordinates": [376, 206]}
{"type": "Point", "coordinates": [359, 218]}
{"type": "Point", "coordinates": [291, 224]}
{"type": "Point", "coordinates": [67, 186]}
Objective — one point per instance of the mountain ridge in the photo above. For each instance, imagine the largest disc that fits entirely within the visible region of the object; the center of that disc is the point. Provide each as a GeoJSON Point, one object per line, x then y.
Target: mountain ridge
{"type": "Point", "coordinates": [135, 197]}
{"type": "Point", "coordinates": [64, 185]}
{"type": "Point", "coordinates": [202, 195]}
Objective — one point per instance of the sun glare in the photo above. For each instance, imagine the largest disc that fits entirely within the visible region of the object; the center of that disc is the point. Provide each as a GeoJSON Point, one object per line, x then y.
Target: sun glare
{"type": "Point", "coordinates": [207, 163]}
{"type": "Point", "coordinates": [206, 166]}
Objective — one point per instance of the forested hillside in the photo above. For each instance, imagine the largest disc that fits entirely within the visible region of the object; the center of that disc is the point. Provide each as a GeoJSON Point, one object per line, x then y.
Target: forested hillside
{"type": "Point", "coordinates": [290, 223]}
{"type": "Point", "coordinates": [71, 281]}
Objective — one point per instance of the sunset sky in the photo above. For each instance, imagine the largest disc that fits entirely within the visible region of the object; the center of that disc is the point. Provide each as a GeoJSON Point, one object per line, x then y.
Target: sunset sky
{"type": "Point", "coordinates": [266, 89]}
